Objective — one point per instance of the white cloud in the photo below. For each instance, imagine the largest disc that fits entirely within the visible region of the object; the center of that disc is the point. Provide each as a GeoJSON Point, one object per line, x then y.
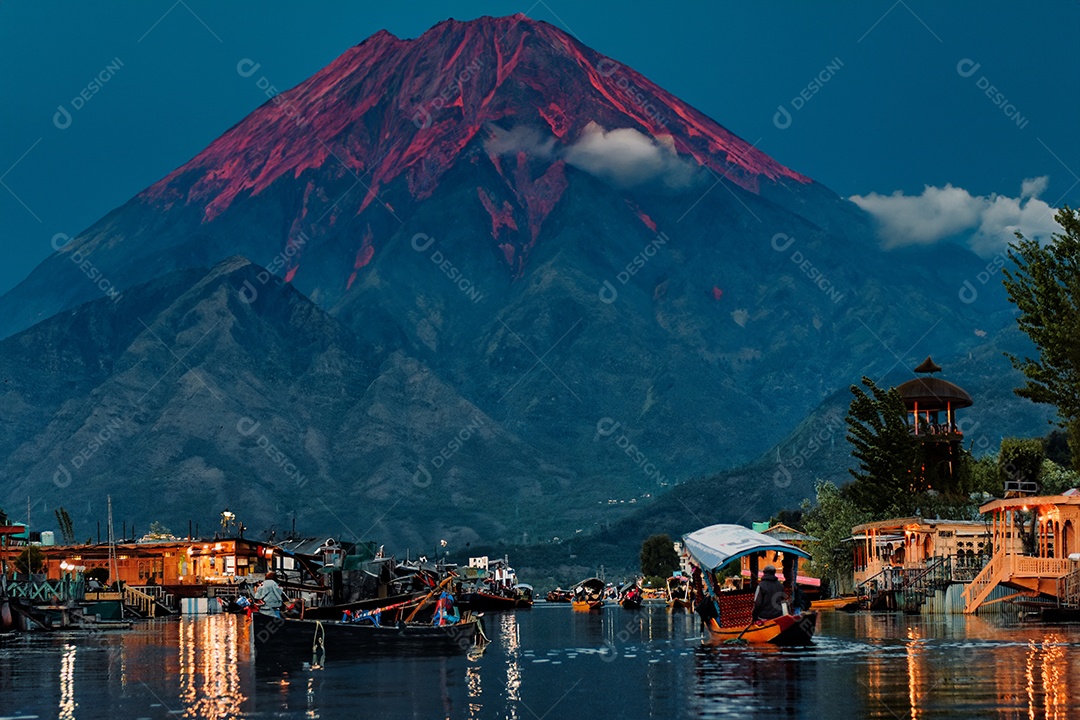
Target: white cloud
{"type": "Point", "coordinates": [1034, 187]}
{"type": "Point", "coordinates": [627, 157]}
{"type": "Point", "coordinates": [987, 222]}
{"type": "Point", "coordinates": [514, 140]}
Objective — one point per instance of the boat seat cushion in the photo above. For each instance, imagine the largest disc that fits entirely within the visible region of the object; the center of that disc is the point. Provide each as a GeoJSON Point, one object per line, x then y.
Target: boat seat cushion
{"type": "Point", "coordinates": [736, 608]}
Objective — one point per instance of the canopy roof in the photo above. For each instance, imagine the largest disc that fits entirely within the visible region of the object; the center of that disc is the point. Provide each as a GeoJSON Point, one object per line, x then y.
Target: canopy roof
{"type": "Point", "coordinates": [717, 545]}
{"type": "Point", "coordinates": [591, 584]}
{"type": "Point", "coordinates": [1029, 501]}
{"type": "Point", "coordinates": [932, 394]}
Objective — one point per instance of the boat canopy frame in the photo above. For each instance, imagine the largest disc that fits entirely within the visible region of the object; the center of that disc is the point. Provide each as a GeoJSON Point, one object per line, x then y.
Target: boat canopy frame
{"type": "Point", "coordinates": [714, 546]}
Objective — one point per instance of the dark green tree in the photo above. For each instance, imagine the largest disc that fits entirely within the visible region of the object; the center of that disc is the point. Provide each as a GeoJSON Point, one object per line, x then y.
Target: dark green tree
{"type": "Point", "coordinates": [984, 476]}
{"type": "Point", "coordinates": [791, 518]}
{"type": "Point", "coordinates": [30, 560]}
{"type": "Point", "coordinates": [658, 556]}
{"type": "Point", "coordinates": [1057, 448]}
{"type": "Point", "coordinates": [1045, 287]}
{"type": "Point", "coordinates": [1020, 460]}
{"type": "Point", "coordinates": [830, 520]}
{"type": "Point", "coordinates": [886, 482]}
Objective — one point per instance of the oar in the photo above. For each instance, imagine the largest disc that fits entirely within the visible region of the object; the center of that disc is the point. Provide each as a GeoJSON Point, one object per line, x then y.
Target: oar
{"type": "Point", "coordinates": [738, 640]}
{"type": "Point", "coordinates": [428, 597]}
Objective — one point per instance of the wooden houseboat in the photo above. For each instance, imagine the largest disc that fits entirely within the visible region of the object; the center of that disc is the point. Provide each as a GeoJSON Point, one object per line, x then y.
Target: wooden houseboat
{"type": "Point", "coordinates": [1036, 554]}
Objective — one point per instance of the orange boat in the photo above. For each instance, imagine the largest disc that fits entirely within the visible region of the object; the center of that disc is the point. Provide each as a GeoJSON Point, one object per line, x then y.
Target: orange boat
{"type": "Point", "coordinates": [588, 595]}
{"type": "Point", "coordinates": [727, 615]}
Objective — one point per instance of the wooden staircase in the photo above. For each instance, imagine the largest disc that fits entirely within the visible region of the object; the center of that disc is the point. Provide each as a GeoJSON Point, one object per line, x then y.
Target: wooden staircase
{"type": "Point", "coordinates": [920, 584]}
{"type": "Point", "coordinates": [146, 602]}
{"type": "Point", "coordinates": [979, 589]}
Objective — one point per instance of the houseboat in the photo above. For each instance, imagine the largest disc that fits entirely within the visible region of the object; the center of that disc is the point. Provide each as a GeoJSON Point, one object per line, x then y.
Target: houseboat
{"type": "Point", "coordinates": [1035, 555]}
{"type": "Point", "coordinates": [901, 563]}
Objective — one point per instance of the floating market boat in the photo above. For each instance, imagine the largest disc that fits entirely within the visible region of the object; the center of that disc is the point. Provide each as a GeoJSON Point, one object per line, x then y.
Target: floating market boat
{"type": "Point", "coordinates": [728, 617]}
{"type": "Point", "coordinates": [588, 595]}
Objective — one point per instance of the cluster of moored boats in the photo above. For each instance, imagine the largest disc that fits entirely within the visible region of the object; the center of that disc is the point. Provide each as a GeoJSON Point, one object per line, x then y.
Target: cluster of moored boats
{"type": "Point", "coordinates": [445, 614]}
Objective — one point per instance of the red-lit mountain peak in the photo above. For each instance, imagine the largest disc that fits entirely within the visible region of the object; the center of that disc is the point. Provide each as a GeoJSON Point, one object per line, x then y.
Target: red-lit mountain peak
{"type": "Point", "coordinates": [390, 107]}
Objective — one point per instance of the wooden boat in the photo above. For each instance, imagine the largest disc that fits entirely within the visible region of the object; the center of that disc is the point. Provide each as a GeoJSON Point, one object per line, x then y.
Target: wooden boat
{"type": "Point", "coordinates": [478, 598]}
{"type": "Point", "coordinates": [588, 595]}
{"type": "Point", "coordinates": [680, 594]}
{"type": "Point", "coordinates": [784, 630]}
{"type": "Point", "coordinates": [728, 617]}
{"type": "Point", "coordinates": [524, 594]}
{"type": "Point", "coordinates": [558, 595]}
{"type": "Point", "coordinates": [334, 612]}
{"type": "Point", "coordinates": [317, 641]}
{"type": "Point", "coordinates": [847, 603]}
{"type": "Point", "coordinates": [630, 598]}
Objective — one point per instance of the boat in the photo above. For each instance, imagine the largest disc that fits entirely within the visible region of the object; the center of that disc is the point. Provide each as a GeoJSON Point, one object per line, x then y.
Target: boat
{"type": "Point", "coordinates": [588, 595]}
{"type": "Point", "coordinates": [484, 598]}
{"type": "Point", "coordinates": [524, 593]}
{"type": "Point", "coordinates": [631, 597]}
{"type": "Point", "coordinates": [389, 604]}
{"type": "Point", "coordinates": [318, 641]}
{"type": "Point", "coordinates": [490, 585]}
{"type": "Point", "coordinates": [680, 594]}
{"type": "Point", "coordinates": [728, 618]}
{"type": "Point", "coordinates": [846, 603]}
{"type": "Point", "coordinates": [558, 595]}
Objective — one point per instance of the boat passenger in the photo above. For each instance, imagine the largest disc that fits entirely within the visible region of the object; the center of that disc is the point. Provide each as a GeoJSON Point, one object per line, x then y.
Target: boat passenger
{"type": "Point", "coordinates": [769, 597]}
{"type": "Point", "coordinates": [446, 612]}
{"type": "Point", "coordinates": [270, 596]}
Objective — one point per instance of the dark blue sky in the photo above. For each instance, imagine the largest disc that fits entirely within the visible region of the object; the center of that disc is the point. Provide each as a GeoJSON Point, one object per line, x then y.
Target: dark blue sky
{"type": "Point", "coordinates": [896, 113]}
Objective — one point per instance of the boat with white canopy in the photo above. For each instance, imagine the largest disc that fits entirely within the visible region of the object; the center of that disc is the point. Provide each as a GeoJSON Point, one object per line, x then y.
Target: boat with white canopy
{"type": "Point", "coordinates": [728, 615]}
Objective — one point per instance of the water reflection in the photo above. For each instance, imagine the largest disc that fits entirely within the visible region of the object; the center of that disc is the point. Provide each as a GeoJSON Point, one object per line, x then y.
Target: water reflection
{"type": "Point", "coordinates": [510, 640]}
{"type": "Point", "coordinates": [915, 673]}
{"type": "Point", "coordinates": [67, 684]}
{"type": "Point", "coordinates": [551, 661]}
{"type": "Point", "coordinates": [208, 666]}
{"type": "Point", "coordinates": [1053, 677]}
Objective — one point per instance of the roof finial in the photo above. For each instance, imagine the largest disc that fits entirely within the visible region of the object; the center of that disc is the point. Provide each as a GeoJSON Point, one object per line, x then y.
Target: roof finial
{"type": "Point", "coordinates": [928, 366]}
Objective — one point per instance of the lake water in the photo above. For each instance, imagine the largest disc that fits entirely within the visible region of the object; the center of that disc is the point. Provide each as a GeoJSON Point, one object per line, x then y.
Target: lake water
{"type": "Point", "coordinates": [550, 662]}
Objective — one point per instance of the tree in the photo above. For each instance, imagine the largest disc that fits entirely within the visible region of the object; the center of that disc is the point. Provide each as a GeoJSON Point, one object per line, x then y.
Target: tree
{"type": "Point", "coordinates": [1045, 287]}
{"type": "Point", "coordinates": [886, 481]}
{"type": "Point", "coordinates": [1056, 479]}
{"type": "Point", "coordinates": [830, 520]}
{"type": "Point", "coordinates": [31, 560]}
{"type": "Point", "coordinates": [1020, 460]}
{"type": "Point", "coordinates": [1057, 448]}
{"type": "Point", "coordinates": [791, 518]}
{"type": "Point", "coordinates": [67, 530]}
{"type": "Point", "coordinates": [658, 556]}
{"type": "Point", "coordinates": [3, 517]}
{"type": "Point", "coordinates": [985, 476]}
{"type": "Point", "coordinates": [158, 531]}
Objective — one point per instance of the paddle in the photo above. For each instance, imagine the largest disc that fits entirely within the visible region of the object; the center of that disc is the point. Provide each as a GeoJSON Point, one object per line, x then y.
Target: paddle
{"type": "Point", "coordinates": [738, 640]}
{"type": "Point", "coordinates": [427, 597]}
